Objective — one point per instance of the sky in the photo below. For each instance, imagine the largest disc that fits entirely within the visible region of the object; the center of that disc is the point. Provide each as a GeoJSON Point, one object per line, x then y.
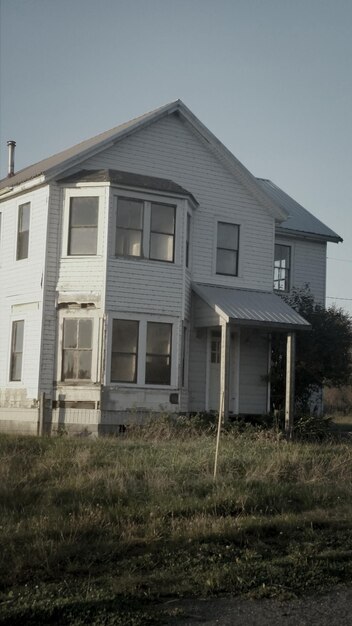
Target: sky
{"type": "Point", "coordinates": [272, 79]}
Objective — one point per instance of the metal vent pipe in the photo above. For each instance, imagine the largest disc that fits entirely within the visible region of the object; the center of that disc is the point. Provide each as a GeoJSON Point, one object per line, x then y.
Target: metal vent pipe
{"type": "Point", "coordinates": [11, 166]}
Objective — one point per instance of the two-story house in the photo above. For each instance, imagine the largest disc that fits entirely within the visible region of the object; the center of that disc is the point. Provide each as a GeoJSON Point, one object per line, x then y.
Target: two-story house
{"type": "Point", "coordinates": [139, 273]}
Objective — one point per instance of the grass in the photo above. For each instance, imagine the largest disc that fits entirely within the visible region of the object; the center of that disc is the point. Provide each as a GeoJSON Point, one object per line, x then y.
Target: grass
{"type": "Point", "coordinates": [105, 531]}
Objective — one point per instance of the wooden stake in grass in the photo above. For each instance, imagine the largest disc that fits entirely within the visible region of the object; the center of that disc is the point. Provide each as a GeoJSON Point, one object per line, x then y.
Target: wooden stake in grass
{"type": "Point", "coordinates": [218, 435]}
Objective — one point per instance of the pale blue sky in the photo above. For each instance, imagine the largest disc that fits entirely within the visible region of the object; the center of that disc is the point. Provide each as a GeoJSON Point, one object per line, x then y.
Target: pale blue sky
{"type": "Point", "coordinates": [271, 78]}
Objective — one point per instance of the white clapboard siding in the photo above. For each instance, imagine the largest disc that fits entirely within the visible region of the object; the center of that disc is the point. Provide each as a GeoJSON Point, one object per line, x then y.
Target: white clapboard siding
{"type": "Point", "coordinates": [197, 368]}
{"type": "Point", "coordinates": [254, 368]}
{"type": "Point", "coordinates": [308, 262]}
{"type": "Point", "coordinates": [169, 149]}
{"type": "Point", "coordinates": [21, 295]}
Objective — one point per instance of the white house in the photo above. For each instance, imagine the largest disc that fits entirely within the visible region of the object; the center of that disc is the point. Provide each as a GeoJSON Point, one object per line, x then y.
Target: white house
{"type": "Point", "coordinates": [139, 273]}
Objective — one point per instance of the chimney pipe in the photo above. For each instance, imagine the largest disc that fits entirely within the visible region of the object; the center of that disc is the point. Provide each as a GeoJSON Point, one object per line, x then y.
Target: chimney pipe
{"type": "Point", "coordinates": [11, 167]}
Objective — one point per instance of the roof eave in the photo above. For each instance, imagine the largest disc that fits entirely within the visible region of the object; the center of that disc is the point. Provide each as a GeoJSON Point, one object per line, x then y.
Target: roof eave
{"type": "Point", "coordinates": [301, 234]}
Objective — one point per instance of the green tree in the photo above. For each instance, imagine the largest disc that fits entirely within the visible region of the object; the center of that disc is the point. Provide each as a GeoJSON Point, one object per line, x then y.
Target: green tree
{"type": "Point", "coordinates": [323, 354]}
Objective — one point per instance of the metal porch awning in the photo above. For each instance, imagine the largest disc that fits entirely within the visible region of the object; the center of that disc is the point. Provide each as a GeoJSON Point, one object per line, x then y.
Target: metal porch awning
{"type": "Point", "coordinates": [249, 307]}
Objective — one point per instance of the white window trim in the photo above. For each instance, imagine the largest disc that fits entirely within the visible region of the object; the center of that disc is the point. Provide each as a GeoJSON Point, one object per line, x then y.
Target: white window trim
{"type": "Point", "coordinates": [143, 320]}
{"type": "Point", "coordinates": [26, 259]}
{"type": "Point", "coordinates": [92, 192]}
{"type": "Point", "coordinates": [16, 383]}
{"type": "Point", "coordinates": [282, 242]}
{"type": "Point", "coordinates": [79, 313]}
{"type": "Point", "coordinates": [148, 198]}
{"type": "Point", "coordinates": [228, 278]}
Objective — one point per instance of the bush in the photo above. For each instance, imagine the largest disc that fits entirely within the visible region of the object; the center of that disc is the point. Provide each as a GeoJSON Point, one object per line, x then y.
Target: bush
{"type": "Point", "coordinates": [312, 428]}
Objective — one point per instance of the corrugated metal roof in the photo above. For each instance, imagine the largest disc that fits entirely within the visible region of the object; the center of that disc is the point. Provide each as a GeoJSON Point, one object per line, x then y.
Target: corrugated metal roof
{"type": "Point", "coordinates": [249, 307]}
{"type": "Point", "coordinates": [300, 219]}
{"type": "Point", "coordinates": [128, 179]}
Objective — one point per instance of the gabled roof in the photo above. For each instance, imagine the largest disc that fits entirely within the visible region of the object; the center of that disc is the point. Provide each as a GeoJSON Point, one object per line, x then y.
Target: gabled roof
{"type": "Point", "coordinates": [250, 307]}
{"type": "Point", "coordinates": [63, 161]}
{"type": "Point", "coordinates": [300, 221]}
{"type": "Point", "coordinates": [128, 180]}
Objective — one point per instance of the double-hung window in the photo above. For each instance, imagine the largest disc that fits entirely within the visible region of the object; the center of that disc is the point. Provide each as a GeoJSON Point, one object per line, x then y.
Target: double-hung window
{"type": "Point", "coordinates": [83, 225]}
{"type": "Point", "coordinates": [145, 230]}
{"type": "Point", "coordinates": [124, 353]}
{"type": "Point", "coordinates": [282, 267]}
{"type": "Point", "coordinates": [77, 349]}
{"type": "Point", "coordinates": [16, 350]}
{"type": "Point", "coordinates": [23, 231]}
{"type": "Point", "coordinates": [141, 352]}
{"type": "Point", "coordinates": [227, 249]}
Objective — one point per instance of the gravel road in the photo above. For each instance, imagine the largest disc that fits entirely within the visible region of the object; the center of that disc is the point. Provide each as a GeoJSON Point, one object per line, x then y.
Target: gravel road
{"type": "Point", "coordinates": [330, 609]}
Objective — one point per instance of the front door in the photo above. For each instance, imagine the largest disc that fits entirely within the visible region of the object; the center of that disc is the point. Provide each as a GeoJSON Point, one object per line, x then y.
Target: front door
{"type": "Point", "coordinates": [214, 370]}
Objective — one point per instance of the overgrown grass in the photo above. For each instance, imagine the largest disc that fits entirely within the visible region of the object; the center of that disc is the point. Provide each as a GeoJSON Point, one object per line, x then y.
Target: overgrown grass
{"type": "Point", "coordinates": [100, 531]}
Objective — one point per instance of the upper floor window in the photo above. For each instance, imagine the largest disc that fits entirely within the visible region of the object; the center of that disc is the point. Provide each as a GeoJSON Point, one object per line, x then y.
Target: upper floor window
{"type": "Point", "coordinates": [77, 349]}
{"type": "Point", "coordinates": [83, 225]}
{"type": "Point", "coordinates": [282, 266]}
{"type": "Point", "coordinates": [188, 239]}
{"type": "Point", "coordinates": [227, 249]}
{"type": "Point", "coordinates": [23, 231]}
{"type": "Point", "coordinates": [16, 350]}
{"type": "Point", "coordinates": [145, 229]}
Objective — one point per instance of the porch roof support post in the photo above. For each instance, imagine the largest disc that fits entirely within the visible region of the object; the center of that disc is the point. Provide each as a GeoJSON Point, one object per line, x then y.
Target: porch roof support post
{"type": "Point", "coordinates": [224, 371]}
{"type": "Point", "coordinates": [290, 383]}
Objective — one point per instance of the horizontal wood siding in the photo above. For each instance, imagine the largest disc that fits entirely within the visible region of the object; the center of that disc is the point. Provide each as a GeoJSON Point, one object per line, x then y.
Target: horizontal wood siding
{"type": "Point", "coordinates": [308, 260]}
{"type": "Point", "coordinates": [169, 149]}
{"type": "Point", "coordinates": [21, 295]}
{"type": "Point", "coordinates": [253, 367]}
{"type": "Point", "coordinates": [197, 369]}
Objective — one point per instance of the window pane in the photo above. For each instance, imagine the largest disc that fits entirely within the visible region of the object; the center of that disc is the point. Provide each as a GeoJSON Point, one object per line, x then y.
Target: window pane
{"type": "Point", "coordinates": [163, 218]}
{"type": "Point", "coordinates": [158, 338]}
{"type": "Point", "coordinates": [129, 213]}
{"type": "Point", "coordinates": [68, 365]}
{"type": "Point", "coordinates": [157, 370]}
{"type": "Point", "coordinates": [123, 368]}
{"type": "Point", "coordinates": [18, 328]}
{"type": "Point", "coordinates": [22, 245]}
{"type": "Point", "coordinates": [83, 241]}
{"type": "Point", "coordinates": [85, 334]}
{"type": "Point", "coordinates": [161, 247]}
{"type": "Point", "coordinates": [84, 211]}
{"type": "Point", "coordinates": [16, 366]}
{"type": "Point", "coordinates": [70, 333]}
{"type": "Point", "coordinates": [84, 364]}
{"type": "Point", "coordinates": [226, 262]}
{"type": "Point", "coordinates": [125, 336]}
{"type": "Point", "coordinates": [128, 242]}
{"type": "Point", "coordinates": [23, 217]}
{"type": "Point", "coordinates": [228, 236]}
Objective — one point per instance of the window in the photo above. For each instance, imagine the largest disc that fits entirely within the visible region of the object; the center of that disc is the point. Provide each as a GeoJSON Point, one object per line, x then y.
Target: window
{"type": "Point", "coordinates": [162, 232]}
{"type": "Point", "coordinates": [124, 353]}
{"type": "Point", "coordinates": [215, 347]}
{"type": "Point", "coordinates": [145, 229]}
{"type": "Point", "coordinates": [16, 350]}
{"type": "Point", "coordinates": [227, 249]}
{"type": "Point", "coordinates": [158, 356]}
{"type": "Point", "coordinates": [77, 349]}
{"type": "Point", "coordinates": [129, 227]}
{"type": "Point", "coordinates": [23, 231]}
{"type": "Point", "coordinates": [282, 265]}
{"type": "Point", "coordinates": [83, 228]}
{"type": "Point", "coordinates": [188, 238]}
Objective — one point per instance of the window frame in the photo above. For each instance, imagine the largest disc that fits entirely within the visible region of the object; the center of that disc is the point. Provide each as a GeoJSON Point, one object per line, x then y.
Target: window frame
{"type": "Point", "coordinates": [19, 233]}
{"type": "Point", "coordinates": [237, 250]}
{"type": "Point", "coordinates": [288, 279]}
{"type": "Point", "coordinates": [143, 320]}
{"type": "Point", "coordinates": [77, 350]}
{"type": "Point", "coordinates": [188, 240]}
{"type": "Point", "coordinates": [12, 352]}
{"type": "Point", "coordinates": [85, 191]}
{"type": "Point", "coordinates": [159, 355]}
{"type": "Point", "coordinates": [149, 199]}
{"type": "Point", "coordinates": [72, 227]}
{"type": "Point", "coordinates": [120, 352]}
{"type": "Point", "coordinates": [78, 312]}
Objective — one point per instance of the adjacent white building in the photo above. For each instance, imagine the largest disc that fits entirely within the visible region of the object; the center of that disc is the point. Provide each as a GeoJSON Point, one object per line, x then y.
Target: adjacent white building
{"type": "Point", "coordinates": [139, 273]}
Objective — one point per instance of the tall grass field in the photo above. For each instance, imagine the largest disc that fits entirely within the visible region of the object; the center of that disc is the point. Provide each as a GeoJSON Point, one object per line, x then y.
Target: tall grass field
{"type": "Point", "coordinates": [108, 531]}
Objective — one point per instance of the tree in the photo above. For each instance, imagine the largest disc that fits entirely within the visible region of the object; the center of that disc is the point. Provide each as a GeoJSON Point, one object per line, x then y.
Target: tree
{"type": "Point", "coordinates": [323, 354]}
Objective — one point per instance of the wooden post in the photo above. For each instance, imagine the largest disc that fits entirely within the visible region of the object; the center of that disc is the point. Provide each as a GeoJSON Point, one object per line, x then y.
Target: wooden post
{"type": "Point", "coordinates": [224, 372]}
{"type": "Point", "coordinates": [290, 384]}
{"type": "Point", "coordinates": [41, 414]}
